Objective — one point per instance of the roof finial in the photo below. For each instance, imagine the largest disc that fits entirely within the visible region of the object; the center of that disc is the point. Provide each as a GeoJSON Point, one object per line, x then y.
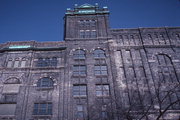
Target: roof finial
{"type": "Point", "coordinates": [75, 5]}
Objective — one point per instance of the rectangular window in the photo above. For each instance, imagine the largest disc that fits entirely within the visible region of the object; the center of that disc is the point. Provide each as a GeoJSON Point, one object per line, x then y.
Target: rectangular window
{"type": "Point", "coordinates": [9, 64]}
{"type": "Point", "coordinates": [42, 109]}
{"type": "Point", "coordinates": [93, 34]}
{"type": "Point", "coordinates": [23, 63]}
{"type": "Point", "coordinates": [79, 70]}
{"type": "Point", "coordinates": [16, 63]}
{"type": "Point", "coordinates": [80, 112]}
{"type": "Point", "coordinates": [102, 90]}
{"type": "Point", "coordinates": [47, 62]}
{"type": "Point", "coordinates": [100, 70]}
{"type": "Point", "coordinates": [88, 34]}
{"type": "Point", "coordinates": [79, 91]}
{"type": "Point", "coordinates": [7, 109]}
{"type": "Point", "coordinates": [81, 34]}
{"type": "Point", "coordinates": [9, 98]}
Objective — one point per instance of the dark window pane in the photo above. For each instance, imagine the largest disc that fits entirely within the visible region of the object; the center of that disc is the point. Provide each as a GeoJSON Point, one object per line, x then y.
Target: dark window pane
{"type": "Point", "coordinates": [45, 82]}
{"type": "Point", "coordinates": [100, 70]}
{"type": "Point", "coordinates": [42, 109]}
{"type": "Point", "coordinates": [79, 54]}
{"type": "Point", "coordinates": [79, 70]}
{"type": "Point", "coordinates": [79, 90]}
{"type": "Point", "coordinates": [102, 90]}
{"type": "Point", "coordinates": [99, 53]}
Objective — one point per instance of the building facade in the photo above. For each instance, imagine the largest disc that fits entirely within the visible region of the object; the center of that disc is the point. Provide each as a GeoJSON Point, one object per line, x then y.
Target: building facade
{"type": "Point", "coordinates": [96, 73]}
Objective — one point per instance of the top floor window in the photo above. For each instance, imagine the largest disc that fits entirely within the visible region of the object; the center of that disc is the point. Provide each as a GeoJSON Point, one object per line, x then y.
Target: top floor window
{"type": "Point", "coordinates": [98, 53]}
{"type": "Point", "coordinates": [45, 82]}
{"type": "Point", "coordinates": [47, 62]}
{"type": "Point", "coordinates": [79, 54]}
{"type": "Point", "coordinates": [17, 62]}
{"type": "Point", "coordinates": [87, 23]}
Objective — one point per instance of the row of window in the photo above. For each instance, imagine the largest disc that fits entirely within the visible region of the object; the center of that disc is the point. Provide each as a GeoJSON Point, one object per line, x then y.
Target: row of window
{"type": "Point", "coordinates": [80, 54]}
{"type": "Point", "coordinates": [81, 70]}
{"type": "Point", "coordinates": [16, 63]}
{"type": "Point", "coordinates": [42, 62]}
{"type": "Point", "coordinates": [46, 109]}
{"type": "Point", "coordinates": [87, 34]}
{"type": "Point", "coordinates": [81, 90]}
{"type": "Point", "coordinates": [47, 62]}
{"type": "Point", "coordinates": [87, 23]}
{"type": "Point", "coordinates": [78, 90]}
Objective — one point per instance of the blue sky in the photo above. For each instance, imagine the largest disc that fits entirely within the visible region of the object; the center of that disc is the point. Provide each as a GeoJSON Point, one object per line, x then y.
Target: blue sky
{"type": "Point", "coordinates": [42, 20]}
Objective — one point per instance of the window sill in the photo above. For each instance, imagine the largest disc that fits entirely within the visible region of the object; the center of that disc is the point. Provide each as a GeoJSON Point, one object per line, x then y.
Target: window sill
{"type": "Point", "coordinates": [101, 75]}
{"type": "Point", "coordinates": [44, 88]}
{"type": "Point", "coordinates": [78, 75]}
{"type": "Point", "coordinates": [105, 96]}
{"type": "Point", "coordinates": [42, 116]}
{"type": "Point", "coordinates": [76, 97]}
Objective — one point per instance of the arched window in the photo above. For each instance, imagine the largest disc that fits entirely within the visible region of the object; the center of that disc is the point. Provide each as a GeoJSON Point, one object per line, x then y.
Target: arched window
{"type": "Point", "coordinates": [9, 63]}
{"type": "Point", "coordinates": [45, 82]}
{"type": "Point", "coordinates": [23, 62]}
{"type": "Point", "coordinates": [98, 53]}
{"type": "Point", "coordinates": [79, 54]}
{"type": "Point", "coordinates": [16, 63]}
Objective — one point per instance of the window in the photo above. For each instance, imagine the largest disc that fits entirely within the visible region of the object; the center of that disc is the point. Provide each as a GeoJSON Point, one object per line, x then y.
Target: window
{"type": "Point", "coordinates": [87, 23]}
{"type": "Point", "coordinates": [42, 109]}
{"type": "Point", "coordinates": [93, 23]}
{"type": "Point", "coordinates": [16, 63]}
{"type": "Point", "coordinates": [81, 23]}
{"type": "Point", "coordinates": [88, 34]}
{"type": "Point", "coordinates": [79, 54]}
{"type": "Point", "coordinates": [23, 62]}
{"type": "Point", "coordinates": [102, 90]}
{"type": "Point", "coordinates": [79, 70]}
{"type": "Point", "coordinates": [40, 62]}
{"type": "Point", "coordinates": [98, 53]}
{"type": "Point", "coordinates": [104, 113]}
{"type": "Point", "coordinates": [7, 110]}
{"type": "Point", "coordinates": [45, 82]}
{"type": "Point", "coordinates": [93, 34]}
{"type": "Point", "coordinates": [47, 62]}
{"type": "Point", "coordinates": [177, 36]}
{"type": "Point", "coordinates": [79, 90]}
{"type": "Point", "coordinates": [54, 61]}
{"type": "Point", "coordinates": [82, 34]}
{"type": "Point", "coordinates": [9, 63]}
{"type": "Point", "coordinates": [100, 69]}
{"type": "Point", "coordinates": [80, 112]}
{"type": "Point", "coordinates": [9, 98]}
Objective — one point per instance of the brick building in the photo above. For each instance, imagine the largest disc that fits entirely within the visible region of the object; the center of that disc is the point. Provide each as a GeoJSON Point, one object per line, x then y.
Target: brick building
{"type": "Point", "coordinates": [96, 73]}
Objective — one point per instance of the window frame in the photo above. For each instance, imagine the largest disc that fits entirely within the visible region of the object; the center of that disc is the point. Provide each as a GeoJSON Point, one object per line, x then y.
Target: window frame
{"type": "Point", "coordinates": [101, 90]}
{"type": "Point", "coordinates": [79, 70]}
{"type": "Point", "coordinates": [46, 107]}
{"type": "Point", "coordinates": [79, 54]}
{"type": "Point", "coordinates": [80, 90]}
{"type": "Point", "coordinates": [100, 70]}
{"type": "Point", "coordinates": [99, 54]}
{"type": "Point", "coordinates": [45, 83]}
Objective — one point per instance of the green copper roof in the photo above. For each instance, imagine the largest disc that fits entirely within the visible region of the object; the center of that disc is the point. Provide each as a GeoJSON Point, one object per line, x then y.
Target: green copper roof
{"type": "Point", "coordinates": [86, 6]}
{"type": "Point", "coordinates": [19, 46]}
{"type": "Point", "coordinates": [86, 11]}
